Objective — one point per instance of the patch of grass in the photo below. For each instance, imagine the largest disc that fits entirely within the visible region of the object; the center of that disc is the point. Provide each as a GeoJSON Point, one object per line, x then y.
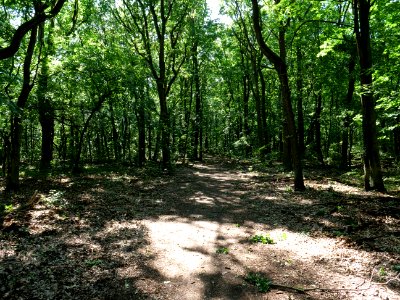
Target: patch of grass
{"type": "Point", "coordinates": [382, 272]}
{"type": "Point", "coordinates": [94, 262]}
{"type": "Point", "coordinates": [263, 239]}
{"type": "Point", "coordinates": [288, 189]}
{"type": "Point", "coordinates": [262, 283]}
{"type": "Point", "coordinates": [339, 233]}
{"type": "Point", "coordinates": [222, 250]}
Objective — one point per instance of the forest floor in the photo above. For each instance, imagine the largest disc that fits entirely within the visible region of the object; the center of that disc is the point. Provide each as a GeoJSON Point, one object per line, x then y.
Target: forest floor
{"type": "Point", "coordinates": [213, 230]}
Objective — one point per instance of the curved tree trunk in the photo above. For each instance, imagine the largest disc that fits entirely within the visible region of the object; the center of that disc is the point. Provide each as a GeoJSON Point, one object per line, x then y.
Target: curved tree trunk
{"type": "Point", "coordinates": [14, 156]}
{"type": "Point", "coordinates": [279, 62]}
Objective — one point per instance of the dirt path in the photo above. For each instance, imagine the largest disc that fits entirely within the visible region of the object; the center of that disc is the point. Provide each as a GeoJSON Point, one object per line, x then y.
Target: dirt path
{"type": "Point", "coordinates": [187, 236]}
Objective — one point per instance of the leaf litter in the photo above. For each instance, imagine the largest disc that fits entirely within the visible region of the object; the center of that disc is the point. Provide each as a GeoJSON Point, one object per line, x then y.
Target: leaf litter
{"type": "Point", "coordinates": [138, 235]}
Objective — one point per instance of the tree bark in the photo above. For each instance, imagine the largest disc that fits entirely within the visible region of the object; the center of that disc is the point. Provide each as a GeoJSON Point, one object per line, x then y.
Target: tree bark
{"type": "Point", "coordinates": [372, 166]}
{"type": "Point", "coordinates": [45, 108]}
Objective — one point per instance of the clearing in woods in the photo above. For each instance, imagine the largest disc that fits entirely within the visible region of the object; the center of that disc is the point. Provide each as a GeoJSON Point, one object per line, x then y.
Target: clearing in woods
{"type": "Point", "coordinates": [214, 230]}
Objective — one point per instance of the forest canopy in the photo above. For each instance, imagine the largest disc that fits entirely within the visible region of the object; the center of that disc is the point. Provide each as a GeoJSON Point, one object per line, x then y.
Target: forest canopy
{"type": "Point", "coordinates": [299, 82]}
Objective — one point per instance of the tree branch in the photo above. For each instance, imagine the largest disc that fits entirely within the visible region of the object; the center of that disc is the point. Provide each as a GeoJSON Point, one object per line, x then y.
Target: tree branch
{"type": "Point", "coordinates": [24, 28]}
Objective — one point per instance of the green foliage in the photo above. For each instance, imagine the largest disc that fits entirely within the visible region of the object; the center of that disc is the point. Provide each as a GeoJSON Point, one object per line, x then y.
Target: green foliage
{"type": "Point", "coordinates": [396, 268]}
{"type": "Point", "coordinates": [289, 189]}
{"type": "Point", "coordinates": [263, 239]}
{"type": "Point", "coordinates": [284, 236]}
{"type": "Point", "coordinates": [8, 208]}
{"type": "Point", "coordinates": [262, 283]}
{"type": "Point", "coordinates": [222, 250]}
{"type": "Point", "coordinates": [55, 199]}
{"type": "Point", "coordinates": [93, 262]}
{"type": "Point", "coordinates": [382, 272]}
{"type": "Point", "coordinates": [339, 233]}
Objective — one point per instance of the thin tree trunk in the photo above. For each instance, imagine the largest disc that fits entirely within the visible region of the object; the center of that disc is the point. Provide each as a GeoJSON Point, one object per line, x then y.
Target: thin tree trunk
{"type": "Point", "coordinates": [299, 87]}
{"type": "Point", "coordinates": [115, 135]}
{"type": "Point", "coordinates": [318, 147]}
{"type": "Point", "coordinates": [246, 97]}
{"type": "Point", "coordinates": [197, 97]}
{"type": "Point", "coordinates": [347, 118]}
{"type": "Point", "coordinates": [396, 140]}
{"type": "Point", "coordinates": [263, 112]}
{"type": "Point", "coordinates": [141, 120]}
{"type": "Point", "coordinates": [77, 158]}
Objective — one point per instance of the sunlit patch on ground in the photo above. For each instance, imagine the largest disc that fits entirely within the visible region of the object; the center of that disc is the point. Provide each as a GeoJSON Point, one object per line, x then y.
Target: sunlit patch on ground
{"type": "Point", "coordinates": [192, 236]}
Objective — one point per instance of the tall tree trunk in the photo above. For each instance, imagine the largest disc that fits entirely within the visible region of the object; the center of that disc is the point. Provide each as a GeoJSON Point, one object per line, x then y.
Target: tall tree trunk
{"type": "Point", "coordinates": [285, 147]}
{"type": "Point", "coordinates": [318, 147]}
{"type": "Point", "coordinates": [345, 153]}
{"type": "Point", "coordinates": [115, 135]}
{"type": "Point", "coordinates": [257, 98]}
{"type": "Point", "coordinates": [372, 166]}
{"type": "Point", "coordinates": [264, 111]}
{"type": "Point", "coordinates": [299, 87]}
{"type": "Point", "coordinates": [157, 142]}
{"type": "Point", "coordinates": [45, 107]}
{"type": "Point", "coordinates": [197, 97]}
{"type": "Point", "coordinates": [141, 124]}
{"type": "Point", "coordinates": [13, 164]}
{"type": "Point", "coordinates": [279, 62]}
{"type": "Point", "coordinates": [162, 87]}
{"type": "Point", "coordinates": [246, 97]}
{"type": "Point", "coordinates": [396, 139]}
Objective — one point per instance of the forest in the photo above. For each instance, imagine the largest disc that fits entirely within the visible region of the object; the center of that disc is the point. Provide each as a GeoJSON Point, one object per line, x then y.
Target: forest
{"type": "Point", "coordinates": [151, 149]}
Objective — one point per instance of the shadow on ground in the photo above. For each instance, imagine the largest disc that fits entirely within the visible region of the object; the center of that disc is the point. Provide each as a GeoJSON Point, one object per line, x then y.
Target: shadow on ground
{"type": "Point", "coordinates": [130, 235]}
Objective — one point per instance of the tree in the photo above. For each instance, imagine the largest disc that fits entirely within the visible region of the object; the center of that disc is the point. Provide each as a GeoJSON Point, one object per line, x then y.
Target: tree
{"type": "Point", "coordinates": [45, 107]}
{"type": "Point", "coordinates": [279, 62]}
{"type": "Point", "coordinates": [159, 26]}
{"type": "Point", "coordinates": [372, 166]}
{"type": "Point", "coordinates": [13, 157]}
